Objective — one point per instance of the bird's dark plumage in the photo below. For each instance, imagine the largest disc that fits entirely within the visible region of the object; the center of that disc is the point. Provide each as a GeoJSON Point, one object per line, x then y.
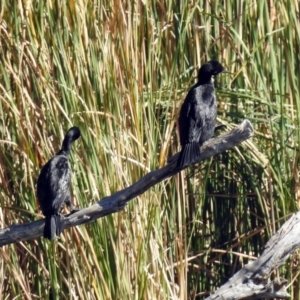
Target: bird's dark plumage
{"type": "Point", "coordinates": [197, 118]}
{"type": "Point", "coordinates": [53, 185]}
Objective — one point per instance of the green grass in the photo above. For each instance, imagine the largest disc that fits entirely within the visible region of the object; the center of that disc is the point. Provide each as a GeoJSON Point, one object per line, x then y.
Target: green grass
{"type": "Point", "coordinates": [120, 71]}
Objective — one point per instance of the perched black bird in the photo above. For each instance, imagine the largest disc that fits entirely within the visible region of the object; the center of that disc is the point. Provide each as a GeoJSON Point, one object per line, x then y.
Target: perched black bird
{"type": "Point", "coordinates": [197, 118]}
{"type": "Point", "coordinates": [53, 186]}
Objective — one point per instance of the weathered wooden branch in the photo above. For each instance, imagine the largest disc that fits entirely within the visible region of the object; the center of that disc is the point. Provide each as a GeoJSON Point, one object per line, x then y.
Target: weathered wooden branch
{"type": "Point", "coordinates": [117, 201]}
{"type": "Point", "coordinates": [253, 281]}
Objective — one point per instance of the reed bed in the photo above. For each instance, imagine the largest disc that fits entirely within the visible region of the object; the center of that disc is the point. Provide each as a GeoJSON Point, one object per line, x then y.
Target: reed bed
{"type": "Point", "coordinates": [120, 70]}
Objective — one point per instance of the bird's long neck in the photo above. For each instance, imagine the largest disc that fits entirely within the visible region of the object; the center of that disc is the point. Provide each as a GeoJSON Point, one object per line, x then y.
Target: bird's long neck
{"type": "Point", "coordinates": [204, 77]}
{"type": "Point", "coordinates": [205, 80]}
{"type": "Point", "coordinates": [66, 147]}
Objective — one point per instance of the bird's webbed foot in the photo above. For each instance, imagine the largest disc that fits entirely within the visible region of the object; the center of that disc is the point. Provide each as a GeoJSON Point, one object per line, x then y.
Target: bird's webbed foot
{"type": "Point", "coordinates": [218, 127]}
{"type": "Point", "coordinates": [72, 207]}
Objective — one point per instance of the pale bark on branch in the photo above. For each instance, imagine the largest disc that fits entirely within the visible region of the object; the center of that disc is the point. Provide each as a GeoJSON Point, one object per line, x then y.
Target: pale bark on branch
{"type": "Point", "coordinates": [253, 281]}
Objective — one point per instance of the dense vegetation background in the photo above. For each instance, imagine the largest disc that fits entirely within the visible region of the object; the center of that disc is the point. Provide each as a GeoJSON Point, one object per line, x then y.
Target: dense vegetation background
{"type": "Point", "coordinates": [119, 71]}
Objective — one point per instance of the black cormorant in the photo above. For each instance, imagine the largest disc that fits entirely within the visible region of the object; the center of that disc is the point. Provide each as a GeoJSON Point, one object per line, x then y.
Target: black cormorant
{"type": "Point", "coordinates": [197, 118]}
{"type": "Point", "coordinates": [53, 186]}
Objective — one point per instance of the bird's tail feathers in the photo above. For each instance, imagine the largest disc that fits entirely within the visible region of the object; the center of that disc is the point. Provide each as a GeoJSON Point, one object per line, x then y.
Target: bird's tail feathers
{"type": "Point", "coordinates": [189, 154]}
{"type": "Point", "coordinates": [52, 227]}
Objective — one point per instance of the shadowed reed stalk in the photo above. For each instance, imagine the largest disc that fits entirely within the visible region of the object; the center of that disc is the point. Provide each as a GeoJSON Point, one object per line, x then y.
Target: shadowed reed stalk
{"type": "Point", "coordinates": [119, 71]}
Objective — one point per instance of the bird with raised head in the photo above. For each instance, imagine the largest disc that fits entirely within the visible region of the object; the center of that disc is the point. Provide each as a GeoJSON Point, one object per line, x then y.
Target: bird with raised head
{"type": "Point", "coordinates": [197, 117]}
{"type": "Point", "coordinates": [53, 186]}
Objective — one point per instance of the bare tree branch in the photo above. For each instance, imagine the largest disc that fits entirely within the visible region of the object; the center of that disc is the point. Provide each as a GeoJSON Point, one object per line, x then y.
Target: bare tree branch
{"type": "Point", "coordinates": [252, 281]}
{"type": "Point", "coordinates": [118, 201]}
